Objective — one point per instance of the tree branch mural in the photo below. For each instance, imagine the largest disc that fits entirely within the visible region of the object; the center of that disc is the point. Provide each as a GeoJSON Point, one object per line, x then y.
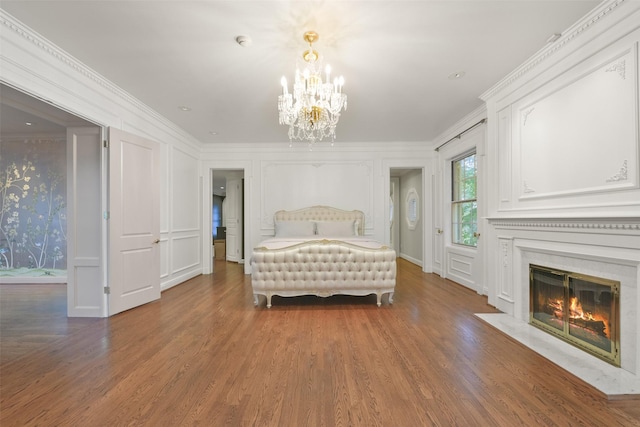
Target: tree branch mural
{"type": "Point", "coordinates": [32, 205]}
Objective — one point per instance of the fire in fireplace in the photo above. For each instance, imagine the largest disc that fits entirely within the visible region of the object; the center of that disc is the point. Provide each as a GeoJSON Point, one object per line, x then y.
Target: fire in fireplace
{"type": "Point", "coordinates": [580, 309]}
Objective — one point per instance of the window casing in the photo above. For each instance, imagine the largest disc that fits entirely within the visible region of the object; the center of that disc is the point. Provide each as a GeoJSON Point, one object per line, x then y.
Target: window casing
{"type": "Point", "coordinates": [464, 204]}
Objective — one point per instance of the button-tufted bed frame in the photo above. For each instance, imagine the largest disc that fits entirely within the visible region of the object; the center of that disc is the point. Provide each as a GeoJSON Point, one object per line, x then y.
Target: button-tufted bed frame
{"type": "Point", "coordinates": [324, 267]}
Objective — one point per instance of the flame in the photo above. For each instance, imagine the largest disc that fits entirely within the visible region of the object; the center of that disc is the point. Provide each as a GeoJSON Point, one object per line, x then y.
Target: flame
{"type": "Point", "coordinates": [576, 312]}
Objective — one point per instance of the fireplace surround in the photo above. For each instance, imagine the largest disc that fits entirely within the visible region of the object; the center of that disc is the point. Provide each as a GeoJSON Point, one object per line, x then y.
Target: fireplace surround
{"type": "Point", "coordinates": [601, 248]}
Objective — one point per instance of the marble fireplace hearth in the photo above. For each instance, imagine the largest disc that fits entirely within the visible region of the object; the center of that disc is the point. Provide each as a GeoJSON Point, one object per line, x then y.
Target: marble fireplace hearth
{"type": "Point", "coordinates": [613, 382]}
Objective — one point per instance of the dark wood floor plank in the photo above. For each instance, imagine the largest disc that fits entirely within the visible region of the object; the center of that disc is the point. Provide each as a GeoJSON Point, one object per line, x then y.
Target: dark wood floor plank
{"type": "Point", "coordinates": [204, 355]}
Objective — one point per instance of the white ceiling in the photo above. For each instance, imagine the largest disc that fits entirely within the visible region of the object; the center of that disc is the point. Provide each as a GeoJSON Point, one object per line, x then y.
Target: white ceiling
{"type": "Point", "coordinates": [395, 55]}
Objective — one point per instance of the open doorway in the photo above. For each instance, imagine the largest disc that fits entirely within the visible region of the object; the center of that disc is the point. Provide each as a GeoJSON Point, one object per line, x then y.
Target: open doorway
{"type": "Point", "coordinates": [54, 161]}
{"type": "Point", "coordinates": [227, 215]}
{"type": "Point", "coordinates": [406, 213]}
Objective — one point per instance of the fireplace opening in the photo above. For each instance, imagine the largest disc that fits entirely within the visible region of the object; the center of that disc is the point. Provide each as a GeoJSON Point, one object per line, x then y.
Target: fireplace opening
{"type": "Point", "coordinates": [580, 309]}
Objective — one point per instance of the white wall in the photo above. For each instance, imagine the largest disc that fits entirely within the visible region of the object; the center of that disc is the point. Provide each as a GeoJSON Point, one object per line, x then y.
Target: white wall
{"type": "Point", "coordinates": [34, 65]}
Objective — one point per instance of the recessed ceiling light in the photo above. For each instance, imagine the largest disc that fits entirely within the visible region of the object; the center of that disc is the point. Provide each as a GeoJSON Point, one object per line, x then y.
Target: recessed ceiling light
{"type": "Point", "coordinates": [213, 133]}
{"type": "Point", "coordinates": [29, 123]}
{"type": "Point", "coordinates": [184, 108]}
{"type": "Point", "coordinates": [456, 75]}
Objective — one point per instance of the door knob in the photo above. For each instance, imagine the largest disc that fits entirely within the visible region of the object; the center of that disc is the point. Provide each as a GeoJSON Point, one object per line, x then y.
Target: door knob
{"type": "Point", "coordinates": [156, 241]}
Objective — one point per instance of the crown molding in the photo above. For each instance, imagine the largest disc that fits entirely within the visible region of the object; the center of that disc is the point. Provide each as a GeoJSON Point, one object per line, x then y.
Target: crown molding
{"type": "Point", "coordinates": [15, 26]}
{"type": "Point", "coordinates": [569, 36]}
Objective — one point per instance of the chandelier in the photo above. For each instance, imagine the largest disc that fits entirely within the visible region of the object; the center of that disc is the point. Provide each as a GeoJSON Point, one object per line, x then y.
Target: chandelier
{"type": "Point", "coordinates": [313, 110]}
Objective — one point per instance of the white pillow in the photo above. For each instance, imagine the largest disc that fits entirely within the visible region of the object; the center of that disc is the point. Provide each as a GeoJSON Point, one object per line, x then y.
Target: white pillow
{"type": "Point", "coordinates": [335, 228]}
{"type": "Point", "coordinates": [295, 228]}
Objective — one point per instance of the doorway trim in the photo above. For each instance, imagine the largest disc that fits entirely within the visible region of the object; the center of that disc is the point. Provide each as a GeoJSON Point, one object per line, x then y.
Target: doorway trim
{"type": "Point", "coordinates": [208, 168]}
{"type": "Point", "coordinates": [425, 203]}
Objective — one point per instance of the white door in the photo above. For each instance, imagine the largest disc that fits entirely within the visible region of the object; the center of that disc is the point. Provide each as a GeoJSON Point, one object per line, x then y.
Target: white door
{"type": "Point", "coordinates": [134, 221]}
{"type": "Point", "coordinates": [85, 293]}
{"type": "Point", "coordinates": [233, 213]}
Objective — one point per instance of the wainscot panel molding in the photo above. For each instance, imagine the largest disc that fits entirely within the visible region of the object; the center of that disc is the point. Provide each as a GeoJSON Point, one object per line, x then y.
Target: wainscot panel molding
{"type": "Point", "coordinates": [164, 257]}
{"type": "Point", "coordinates": [459, 264]}
{"type": "Point", "coordinates": [185, 176]}
{"type": "Point", "coordinates": [185, 252]}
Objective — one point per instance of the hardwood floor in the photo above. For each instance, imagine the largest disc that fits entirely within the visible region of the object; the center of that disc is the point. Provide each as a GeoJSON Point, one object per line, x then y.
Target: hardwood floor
{"type": "Point", "coordinates": [204, 355]}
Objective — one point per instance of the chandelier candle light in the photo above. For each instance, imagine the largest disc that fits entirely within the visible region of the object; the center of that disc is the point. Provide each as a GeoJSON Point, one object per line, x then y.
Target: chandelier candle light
{"type": "Point", "coordinates": [313, 110]}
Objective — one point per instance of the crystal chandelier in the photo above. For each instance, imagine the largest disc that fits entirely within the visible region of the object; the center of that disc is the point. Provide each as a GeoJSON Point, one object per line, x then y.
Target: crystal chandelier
{"type": "Point", "coordinates": [313, 110]}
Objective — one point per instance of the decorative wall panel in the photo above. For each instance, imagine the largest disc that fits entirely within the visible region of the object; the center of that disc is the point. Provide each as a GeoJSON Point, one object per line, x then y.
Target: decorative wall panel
{"type": "Point", "coordinates": [294, 185]}
{"type": "Point", "coordinates": [504, 155]}
{"type": "Point", "coordinates": [186, 253]}
{"type": "Point", "coordinates": [460, 266]}
{"type": "Point", "coordinates": [505, 271]}
{"type": "Point", "coordinates": [580, 135]}
{"type": "Point", "coordinates": [185, 191]}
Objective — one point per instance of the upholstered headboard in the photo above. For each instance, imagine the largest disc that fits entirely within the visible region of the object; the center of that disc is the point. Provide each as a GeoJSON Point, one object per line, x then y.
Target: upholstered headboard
{"type": "Point", "coordinates": [322, 213]}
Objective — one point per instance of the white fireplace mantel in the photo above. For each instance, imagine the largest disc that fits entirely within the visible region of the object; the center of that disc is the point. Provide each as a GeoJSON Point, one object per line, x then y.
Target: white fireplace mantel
{"type": "Point", "coordinates": [600, 247]}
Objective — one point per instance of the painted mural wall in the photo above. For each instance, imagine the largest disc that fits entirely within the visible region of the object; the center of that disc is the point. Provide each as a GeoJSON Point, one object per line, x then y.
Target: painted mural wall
{"type": "Point", "coordinates": [33, 225]}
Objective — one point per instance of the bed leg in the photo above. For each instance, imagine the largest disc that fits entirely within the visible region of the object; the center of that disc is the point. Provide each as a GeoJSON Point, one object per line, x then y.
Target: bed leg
{"type": "Point", "coordinates": [256, 301]}
{"type": "Point", "coordinates": [390, 297]}
{"type": "Point", "coordinates": [379, 295]}
{"type": "Point", "coordinates": [268, 300]}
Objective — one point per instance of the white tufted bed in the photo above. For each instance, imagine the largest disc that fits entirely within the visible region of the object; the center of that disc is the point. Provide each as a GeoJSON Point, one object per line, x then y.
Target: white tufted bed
{"type": "Point", "coordinates": [322, 251]}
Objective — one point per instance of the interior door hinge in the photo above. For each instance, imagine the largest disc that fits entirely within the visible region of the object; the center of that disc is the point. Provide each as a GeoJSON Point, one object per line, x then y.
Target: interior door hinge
{"type": "Point", "coordinates": [107, 290]}
{"type": "Point", "coordinates": [105, 143]}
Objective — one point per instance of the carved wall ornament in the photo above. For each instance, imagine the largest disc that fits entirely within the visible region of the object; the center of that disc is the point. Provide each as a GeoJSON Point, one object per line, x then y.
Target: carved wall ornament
{"type": "Point", "coordinates": [526, 188]}
{"type": "Point", "coordinates": [619, 67]}
{"type": "Point", "coordinates": [525, 115]}
{"type": "Point", "coordinates": [504, 248]}
{"type": "Point", "coordinates": [621, 175]}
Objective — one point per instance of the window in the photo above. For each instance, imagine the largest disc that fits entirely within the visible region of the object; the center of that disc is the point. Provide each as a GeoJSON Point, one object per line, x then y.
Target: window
{"type": "Point", "coordinates": [464, 205]}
